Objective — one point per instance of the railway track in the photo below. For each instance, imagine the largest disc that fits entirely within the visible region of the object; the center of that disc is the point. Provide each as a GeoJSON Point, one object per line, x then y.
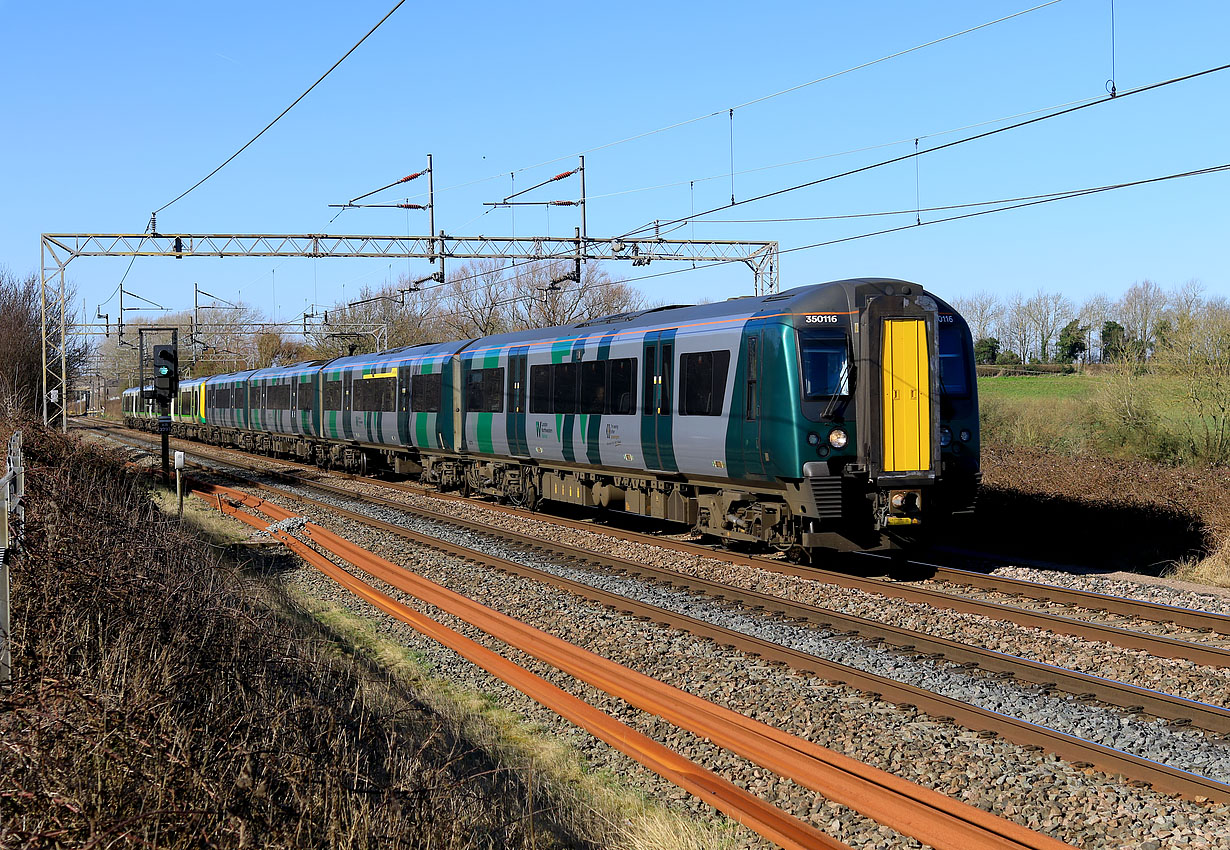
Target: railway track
{"type": "Point", "coordinates": [926, 815]}
{"type": "Point", "coordinates": [1163, 646]}
{"type": "Point", "coordinates": [1141, 771]}
{"type": "Point", "coordinates": [1122, 695]}
{"type": "Point", "coordinates": [1161, 777]}
{"type": "Point", "coordinates": [1074, 749]}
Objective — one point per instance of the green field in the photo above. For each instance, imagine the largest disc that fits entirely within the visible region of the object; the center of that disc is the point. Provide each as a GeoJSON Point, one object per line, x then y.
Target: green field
{"type": "Point", "coordinates": [1039, 386]}
{"type": "Point", "coordinates": [1122, 414]}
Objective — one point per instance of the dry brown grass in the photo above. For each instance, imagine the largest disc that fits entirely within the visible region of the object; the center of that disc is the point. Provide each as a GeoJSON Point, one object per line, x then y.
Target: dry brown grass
{"type": "Point", "coordinates": [613, 815]}
{"type": "Point", "coordinates": [1213, 568]}
{"type": "Point", "coordinates": [164, 698]}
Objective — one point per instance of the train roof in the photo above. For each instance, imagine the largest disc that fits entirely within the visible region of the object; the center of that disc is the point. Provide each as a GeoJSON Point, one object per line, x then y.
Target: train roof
{"type": "Point", "coordinates": [397, 355]}
{"type": "Point", "coordinates": [840, 296]}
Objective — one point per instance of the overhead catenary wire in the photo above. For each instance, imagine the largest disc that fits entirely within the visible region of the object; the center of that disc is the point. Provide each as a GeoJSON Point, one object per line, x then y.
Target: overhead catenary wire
{"type": "Point", "coordinates": [756, 100]}
{"type": "Point", "coordinates": [280, 115]}
{"type": "Point", "coordinates": [1025, 201]}
{"type": "Point", "coordinates": [956, 142]}
{"type": "Point", "coordinates": [1077, 193]}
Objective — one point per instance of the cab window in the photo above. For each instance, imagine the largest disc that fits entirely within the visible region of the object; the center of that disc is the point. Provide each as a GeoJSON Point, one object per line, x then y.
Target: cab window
{"type": "Point", "coordinates": [954, 368]}
{"type": "Point", "coordinates": [826, 366]}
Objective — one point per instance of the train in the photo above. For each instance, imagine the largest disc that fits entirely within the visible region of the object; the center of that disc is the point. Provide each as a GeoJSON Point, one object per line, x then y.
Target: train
{"type": "Point", "coordinates": [833, 416]}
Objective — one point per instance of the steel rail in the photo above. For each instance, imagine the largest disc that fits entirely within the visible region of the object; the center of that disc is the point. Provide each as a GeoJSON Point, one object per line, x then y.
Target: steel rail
{"type": "Point", "coordinates": [1162, 777]}
{"type": "Point", "coordinates": [1160, 645]}
{"type": "Point", "coordinates": [913, 810]}
{"type": "Point", "coordinates": [1140, 608]}
{"type": "Point", "coordinates": [1133, 698]}
{"type": "Point", "coordinates": [1212, 718]}
{"type": "Point", "coordinates": [758, 815]}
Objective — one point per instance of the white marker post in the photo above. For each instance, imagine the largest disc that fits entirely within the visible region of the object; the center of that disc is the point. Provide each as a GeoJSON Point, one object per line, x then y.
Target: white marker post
{"type": "Point", "coordinates": [179, 483]}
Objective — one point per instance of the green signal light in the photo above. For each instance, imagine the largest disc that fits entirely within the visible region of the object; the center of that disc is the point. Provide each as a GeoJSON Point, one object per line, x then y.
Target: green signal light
{"type": "Point", "coordinates": [164, 370]}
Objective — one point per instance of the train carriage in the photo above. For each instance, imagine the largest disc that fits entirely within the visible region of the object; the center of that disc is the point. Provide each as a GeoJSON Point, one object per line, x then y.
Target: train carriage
{"type": "Point", "coordinates": [834, 415]}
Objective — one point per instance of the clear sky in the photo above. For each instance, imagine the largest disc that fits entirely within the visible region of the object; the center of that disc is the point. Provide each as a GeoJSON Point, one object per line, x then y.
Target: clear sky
{"type": "Point", "coordinates": [112, 109]}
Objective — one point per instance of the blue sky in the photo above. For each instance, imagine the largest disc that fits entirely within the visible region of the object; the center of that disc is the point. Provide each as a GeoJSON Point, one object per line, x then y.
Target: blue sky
{"type": "Point", "coordinates": [111, 110]}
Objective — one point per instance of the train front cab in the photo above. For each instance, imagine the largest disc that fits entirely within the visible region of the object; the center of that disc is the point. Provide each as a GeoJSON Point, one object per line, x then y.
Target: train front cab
{"type": "Point", "coordinates": [914, 423]}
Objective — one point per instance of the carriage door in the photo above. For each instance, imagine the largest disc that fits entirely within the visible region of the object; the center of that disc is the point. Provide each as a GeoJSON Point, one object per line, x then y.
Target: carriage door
{"type": "Point", "coordinates": [347, 415]}
{"type": "Point", "coordinates": [518, 382]}
{"type": "Point", "coordinates": [656, 423]}
{"type": "Point", "coordinates": [906, 386]}
{"type": "Point", "coordinates": [753, 453]}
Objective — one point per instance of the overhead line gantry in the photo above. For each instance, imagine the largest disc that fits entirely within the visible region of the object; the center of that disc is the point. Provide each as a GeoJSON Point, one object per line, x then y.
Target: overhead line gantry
{"type": "Point", "coordinates": [60, 249]}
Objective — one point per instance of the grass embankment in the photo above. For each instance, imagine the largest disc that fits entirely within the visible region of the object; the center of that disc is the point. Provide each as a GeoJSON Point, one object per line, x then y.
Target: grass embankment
{"type": "Point", "coordinates": [1112, 413]}
{"type": "Point", "coordinates": [164, 696]}
{"type": "Point", "coordinates": [1120, 446]}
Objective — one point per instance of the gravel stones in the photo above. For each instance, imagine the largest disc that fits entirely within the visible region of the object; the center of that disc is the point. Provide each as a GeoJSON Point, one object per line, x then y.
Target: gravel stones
{"type": "Point", "coordinates": [1079, 806]}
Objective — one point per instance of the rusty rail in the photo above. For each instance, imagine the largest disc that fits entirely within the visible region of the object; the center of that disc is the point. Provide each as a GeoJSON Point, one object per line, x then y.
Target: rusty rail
{"type": "Point", "coordinates": [751, 811]}
{"type": "Point", "coordinates": [927, 815]}
{"type": "Point", "coordinates": [1162, 777]}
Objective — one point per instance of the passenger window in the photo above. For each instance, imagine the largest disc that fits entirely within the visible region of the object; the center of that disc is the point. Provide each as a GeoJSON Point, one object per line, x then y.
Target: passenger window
{"type": "Point", "coordinates": [425, 392]}
{"type": "Point", "coordinates": [374, 394]}
{"type": "Point", "coordinates": [306, 396]}
{"type": "Point", "coordinates": [564, 380]}
{"type": "Point", "coordinates": [702, 383]}
{"type": "Point", "coordinates": [254, 396]}
{"type": "Point", "coordinates": [623, 386]}
{"type": "Point", "coordinates": [485, 390]}
{"type": "Point", "coordinates": [540, 389]}
{"type": "Point", "coordinates": [331, 395]}
{"type": "Point", "coordinates": [277, 397]}
{"type": "Point", "coordinates": [593, 386]}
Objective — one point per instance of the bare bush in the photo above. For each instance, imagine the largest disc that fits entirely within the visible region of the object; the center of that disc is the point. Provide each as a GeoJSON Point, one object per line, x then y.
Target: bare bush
{"type": "Point", "coordinates": [21, 344]}
{"type": "Point", "coordinates": [162, 698]}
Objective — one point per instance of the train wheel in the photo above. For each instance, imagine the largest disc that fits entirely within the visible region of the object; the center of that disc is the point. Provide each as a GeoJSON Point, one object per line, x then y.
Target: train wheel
{"type": "Point", "coordinates": [797, 554]}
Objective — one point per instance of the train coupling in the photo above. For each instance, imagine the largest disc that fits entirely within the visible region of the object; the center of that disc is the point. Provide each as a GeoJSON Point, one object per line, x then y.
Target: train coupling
{"type": "Point", "coordinates": [901, 507]}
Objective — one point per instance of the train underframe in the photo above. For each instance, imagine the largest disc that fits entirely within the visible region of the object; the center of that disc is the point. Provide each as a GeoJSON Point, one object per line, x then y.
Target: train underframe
{"type": "Point", "coordinates": [846, 511]}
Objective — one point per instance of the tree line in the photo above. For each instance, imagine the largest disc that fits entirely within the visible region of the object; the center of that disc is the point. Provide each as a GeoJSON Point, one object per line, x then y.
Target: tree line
{"type": "Point", "coordinates": [1048, 327]}
{"type": "Point", "coordinates": [480, 298]}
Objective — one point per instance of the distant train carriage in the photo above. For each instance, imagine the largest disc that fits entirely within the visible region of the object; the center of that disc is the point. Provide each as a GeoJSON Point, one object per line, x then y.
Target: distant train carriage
{"type": "Point", "coordinates": [840, 414]}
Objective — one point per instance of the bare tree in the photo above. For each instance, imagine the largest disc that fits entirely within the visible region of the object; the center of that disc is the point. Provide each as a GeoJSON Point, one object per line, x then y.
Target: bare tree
{"type": "Point", "coordinates": [1046, 313]}
{"type": "Point", "coordinates": [983, 311]}
{"type": "Point", "coordinates": [1140, 309]}
{"type": "Point", "coordinates": [540, 303]}
{"type": "Point", "coordinates": [1196, 351]}
{"type": "Point", "coordinates": [1016, 329]}
{"type": "Point", "coordinates": [478, 300]}
{"type": "Point", "coordinates": [1092, 315]}
{"type": "Point", "coordinates": [275, 349]}
{"type": "Point", "coordinates": [22, 381]}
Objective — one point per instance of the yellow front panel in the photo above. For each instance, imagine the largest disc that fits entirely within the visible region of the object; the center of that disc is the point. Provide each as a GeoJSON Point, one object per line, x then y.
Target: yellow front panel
{"type": "Point", "coordinates": [906, 385]}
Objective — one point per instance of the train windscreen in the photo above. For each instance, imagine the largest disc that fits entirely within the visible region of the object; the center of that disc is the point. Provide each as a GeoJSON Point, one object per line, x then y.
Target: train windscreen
{"type": "Point", "coordinates": [954, 372]}
{"type": "Point", "coordinates": [826, 367]}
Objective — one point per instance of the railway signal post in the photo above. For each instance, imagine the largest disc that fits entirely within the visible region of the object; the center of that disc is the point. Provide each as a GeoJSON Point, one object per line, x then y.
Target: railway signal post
{"type": "Point", "coordinates": [166, 384]}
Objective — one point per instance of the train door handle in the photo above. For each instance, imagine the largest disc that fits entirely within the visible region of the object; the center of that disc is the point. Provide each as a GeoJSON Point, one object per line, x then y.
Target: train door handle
{"type": "Point", "coordinates": [896, 395]}
{"type": "Point", "coordinates": [914, 394]}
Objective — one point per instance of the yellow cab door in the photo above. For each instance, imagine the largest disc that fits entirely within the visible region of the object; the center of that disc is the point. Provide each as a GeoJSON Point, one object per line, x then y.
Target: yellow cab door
{"type": "Point", "coordinates": [906, 384]}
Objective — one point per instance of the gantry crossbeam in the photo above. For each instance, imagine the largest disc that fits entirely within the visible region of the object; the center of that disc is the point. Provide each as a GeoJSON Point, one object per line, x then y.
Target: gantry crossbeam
{"type": "Point", "coordinates": [59, 249]}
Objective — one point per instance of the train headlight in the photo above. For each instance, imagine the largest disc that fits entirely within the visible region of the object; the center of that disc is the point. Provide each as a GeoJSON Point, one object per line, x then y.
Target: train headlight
{"type": "Point", "coordinates": [945, 436]}
{"type": "Point", "coordinates": [838, 438]}
{"type": "Point", "coordinates": [813, 439]}
{"type": "Point", "coordinates": [965, 435]}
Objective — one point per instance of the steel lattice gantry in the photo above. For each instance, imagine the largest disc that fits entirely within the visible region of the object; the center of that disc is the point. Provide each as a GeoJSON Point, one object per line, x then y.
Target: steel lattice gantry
{"type": "Point", "coordinates": [59, 249]}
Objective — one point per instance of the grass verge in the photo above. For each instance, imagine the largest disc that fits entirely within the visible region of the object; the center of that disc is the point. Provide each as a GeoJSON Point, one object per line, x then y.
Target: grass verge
{"type": "Point", "coordinates": [166, 694]}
